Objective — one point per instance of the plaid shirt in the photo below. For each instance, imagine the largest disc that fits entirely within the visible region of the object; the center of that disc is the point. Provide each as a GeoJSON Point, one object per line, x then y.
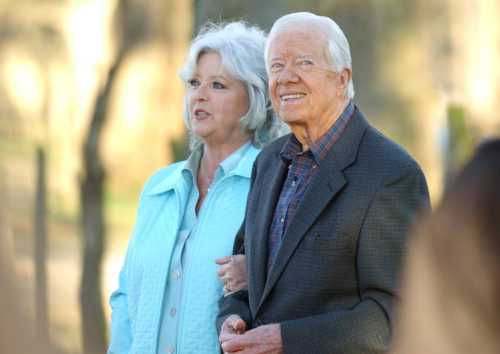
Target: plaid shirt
{"type": "Point", "coordinates": [302, 166]}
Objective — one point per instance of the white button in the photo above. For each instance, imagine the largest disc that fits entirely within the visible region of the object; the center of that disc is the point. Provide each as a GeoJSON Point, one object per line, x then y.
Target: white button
{"type": "Point", "coordinates": [293, 183]}
{"type": "Point", "coordinates": [177, 274]}
{"type": "Point", "coordinates": [169, 350]}
{"type": "Point", "coordinates": [282, 220]}
{"type": "Point", "coordinates": [314, 166]}
{"type": "Point", "coordinates": [173, 311]}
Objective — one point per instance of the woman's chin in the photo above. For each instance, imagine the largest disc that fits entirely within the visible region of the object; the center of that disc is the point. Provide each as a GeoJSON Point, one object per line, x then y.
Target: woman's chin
{"type": "Point", "coordinates": [201, 132]}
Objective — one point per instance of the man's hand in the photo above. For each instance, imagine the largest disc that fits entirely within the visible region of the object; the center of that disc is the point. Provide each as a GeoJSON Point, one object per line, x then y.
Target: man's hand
{"type": "Point", "coordinates": [232, 326]}
{"type": "Point", "coordinates": [261, 340]}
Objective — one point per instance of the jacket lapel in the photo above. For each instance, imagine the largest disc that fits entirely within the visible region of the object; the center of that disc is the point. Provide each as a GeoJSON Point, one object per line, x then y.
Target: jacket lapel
{"type": "Point", "coordinates": [169, 196]}
{"type": "Point", "coordinates": [315, 199]}
{"type": "Point", "coordinates": [325, 185]}
{"type": "Point", "coordinates": [274, 177]}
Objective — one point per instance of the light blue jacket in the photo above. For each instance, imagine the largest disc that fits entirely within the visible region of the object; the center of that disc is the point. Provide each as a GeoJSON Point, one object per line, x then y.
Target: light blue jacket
{"type": "Point", "coordinates": [137, 303]}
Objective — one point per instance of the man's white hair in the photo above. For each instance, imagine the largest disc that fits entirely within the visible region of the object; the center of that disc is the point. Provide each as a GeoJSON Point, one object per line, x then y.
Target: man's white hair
{"type": "Point", "coordinates": [338, 46]}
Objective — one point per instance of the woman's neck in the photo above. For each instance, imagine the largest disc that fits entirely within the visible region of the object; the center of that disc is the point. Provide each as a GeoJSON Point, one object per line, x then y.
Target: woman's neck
{"type": "Point", "coordinates": [213, 155]}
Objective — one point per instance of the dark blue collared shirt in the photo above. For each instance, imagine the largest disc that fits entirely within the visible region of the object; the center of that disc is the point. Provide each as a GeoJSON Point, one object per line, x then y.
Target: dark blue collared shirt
{"type": "Point", "coordinates": [302, 166]}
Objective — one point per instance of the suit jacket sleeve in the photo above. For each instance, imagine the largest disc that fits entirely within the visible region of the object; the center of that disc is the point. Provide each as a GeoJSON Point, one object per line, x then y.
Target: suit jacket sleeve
{"type": "Point", "coordinates": [366, 328]}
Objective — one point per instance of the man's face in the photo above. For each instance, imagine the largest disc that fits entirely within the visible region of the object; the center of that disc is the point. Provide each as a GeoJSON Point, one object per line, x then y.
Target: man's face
{"type": "Point", "coordinates": [304, 88]}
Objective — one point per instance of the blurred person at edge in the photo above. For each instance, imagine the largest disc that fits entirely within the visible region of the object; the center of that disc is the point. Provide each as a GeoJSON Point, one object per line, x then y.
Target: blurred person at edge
{"type": "Point", "coordinates": [189, 212]}
{"type": "Point", "coordinates": [451, 287]}
{"type": "Point", "coordinates": [328, 212]}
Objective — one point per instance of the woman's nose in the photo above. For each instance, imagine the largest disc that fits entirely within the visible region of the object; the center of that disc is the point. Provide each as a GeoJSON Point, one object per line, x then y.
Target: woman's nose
{"type": "Point", "coordinates": [200, 94]}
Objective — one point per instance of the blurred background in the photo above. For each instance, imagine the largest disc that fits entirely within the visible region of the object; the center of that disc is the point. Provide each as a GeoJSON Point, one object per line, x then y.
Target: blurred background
{"type": "Point", "coordinates": [91, 104]}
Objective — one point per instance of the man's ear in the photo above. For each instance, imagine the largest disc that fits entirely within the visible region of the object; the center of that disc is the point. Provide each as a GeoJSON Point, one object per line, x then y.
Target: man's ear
{"type": "Point", "coordinates": [343, 78]}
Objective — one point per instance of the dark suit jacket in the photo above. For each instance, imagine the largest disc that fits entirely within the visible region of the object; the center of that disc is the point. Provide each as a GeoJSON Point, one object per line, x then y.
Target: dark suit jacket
{"type": "Point", "coordinates": [333, 284]}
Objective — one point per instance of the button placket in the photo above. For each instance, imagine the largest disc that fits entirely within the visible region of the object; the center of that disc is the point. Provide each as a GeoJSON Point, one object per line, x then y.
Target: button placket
{"type": "Point", "coordinates": [177, 274]}
{"type": "Point", "coordinates": [173, 311]}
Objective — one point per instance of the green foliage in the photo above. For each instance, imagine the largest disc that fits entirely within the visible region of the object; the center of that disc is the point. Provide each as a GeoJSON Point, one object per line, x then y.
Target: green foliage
{"type": "Point", "coordinates": [460, 138]}
{"type": "Point", "coordinates": [179, 148]}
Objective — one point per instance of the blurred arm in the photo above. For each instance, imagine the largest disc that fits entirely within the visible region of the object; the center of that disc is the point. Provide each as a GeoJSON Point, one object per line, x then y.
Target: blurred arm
{"type": "Point", "coordinates": [121, 334]}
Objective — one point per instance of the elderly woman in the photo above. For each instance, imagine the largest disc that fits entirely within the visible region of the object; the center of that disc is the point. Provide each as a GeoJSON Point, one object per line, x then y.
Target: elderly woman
{"type": "Point", "coordinates": [189, 212]}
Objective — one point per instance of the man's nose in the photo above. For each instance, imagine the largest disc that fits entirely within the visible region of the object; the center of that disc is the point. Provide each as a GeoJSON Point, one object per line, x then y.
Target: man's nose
{"type": "Point", "coordinates": [288, 74]}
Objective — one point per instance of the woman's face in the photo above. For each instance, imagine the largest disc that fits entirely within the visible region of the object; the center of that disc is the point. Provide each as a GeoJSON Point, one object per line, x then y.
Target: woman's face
{"type": "Point", "coordinates": [216, 102]}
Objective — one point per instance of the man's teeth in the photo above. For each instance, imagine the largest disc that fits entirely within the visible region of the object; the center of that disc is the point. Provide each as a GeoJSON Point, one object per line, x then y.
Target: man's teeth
{"type": "Point", "coordinates": [291, 97]}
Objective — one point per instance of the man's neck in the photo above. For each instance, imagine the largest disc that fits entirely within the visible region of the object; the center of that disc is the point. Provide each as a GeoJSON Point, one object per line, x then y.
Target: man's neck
{"type": "Point", "coordinates": [310, 132]}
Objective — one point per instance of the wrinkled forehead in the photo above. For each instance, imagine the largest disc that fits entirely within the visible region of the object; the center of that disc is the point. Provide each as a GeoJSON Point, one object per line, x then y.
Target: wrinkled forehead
{"type": "Point", "coordinates": [303, 38]}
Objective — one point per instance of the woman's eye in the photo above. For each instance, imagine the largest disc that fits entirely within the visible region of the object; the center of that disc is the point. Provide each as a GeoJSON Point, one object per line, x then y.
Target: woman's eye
{"type": "Point", "coordinates": [306, 62]}
{"type": "Point", "coordinates": [193, 83]}
{"type": "Point", "coordinates": [217, 85]}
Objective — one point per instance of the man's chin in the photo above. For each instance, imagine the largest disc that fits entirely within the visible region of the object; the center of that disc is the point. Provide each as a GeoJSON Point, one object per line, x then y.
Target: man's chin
{"type": "Point", "coordinates": [292, 119]}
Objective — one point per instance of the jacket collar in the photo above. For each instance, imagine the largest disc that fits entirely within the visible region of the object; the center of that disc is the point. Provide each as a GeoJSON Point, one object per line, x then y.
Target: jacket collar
{"type": "Point", "coordinates": [170, 182]}
{"type": "Point", "coordinates": [175, 179]}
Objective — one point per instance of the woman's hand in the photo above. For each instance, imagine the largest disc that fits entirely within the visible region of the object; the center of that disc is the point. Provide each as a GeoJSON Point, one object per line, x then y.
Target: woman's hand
{"type": "Point", "coordinates": [232, 273]}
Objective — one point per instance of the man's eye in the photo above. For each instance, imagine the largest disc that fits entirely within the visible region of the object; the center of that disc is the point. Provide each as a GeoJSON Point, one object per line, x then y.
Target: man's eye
{"type": "Point", "coordinates": [217, 85]}
{"type": "Point", "coordinates": [306, 62]}
{"type": "Point", "coordinates": [276, 67]}
{"type": "Point", "coordinates": [193, 83]}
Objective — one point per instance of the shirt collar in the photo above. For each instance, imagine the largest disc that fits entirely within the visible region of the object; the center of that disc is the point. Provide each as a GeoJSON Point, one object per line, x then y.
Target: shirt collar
{"type": "Point", "coordinates": [231, 163]}
{"type": "Point", "coordinates": [292, 148]}
{"type": "Point", "coordinates": [320, 147]}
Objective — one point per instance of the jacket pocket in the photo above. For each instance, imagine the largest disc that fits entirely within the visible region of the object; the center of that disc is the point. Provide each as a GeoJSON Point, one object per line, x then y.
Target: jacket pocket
{"type": "Point", "coordinates": [326, 241]}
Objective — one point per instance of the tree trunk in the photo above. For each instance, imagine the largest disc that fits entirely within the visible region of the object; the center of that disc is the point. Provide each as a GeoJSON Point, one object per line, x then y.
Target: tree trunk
{"type": "Point", "coordinates": [41, 305]}
{"type": "Point", "coordinates": [94, 231]}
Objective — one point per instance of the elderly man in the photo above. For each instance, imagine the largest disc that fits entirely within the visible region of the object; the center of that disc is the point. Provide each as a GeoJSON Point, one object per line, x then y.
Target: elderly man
{"type": "Point", "coordinates": [328, 212]}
